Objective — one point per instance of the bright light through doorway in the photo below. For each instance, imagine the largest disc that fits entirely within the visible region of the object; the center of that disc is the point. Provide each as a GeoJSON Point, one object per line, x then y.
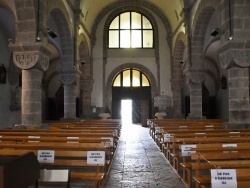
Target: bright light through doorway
{"type": "Point", "coordinates": [126, 111]}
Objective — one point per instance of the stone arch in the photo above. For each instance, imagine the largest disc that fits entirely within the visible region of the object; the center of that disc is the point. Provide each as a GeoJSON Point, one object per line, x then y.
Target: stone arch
{"type": "Point", "coordinates": [202, 17]}
{"type": "Point", "coordinates": [108, 86]}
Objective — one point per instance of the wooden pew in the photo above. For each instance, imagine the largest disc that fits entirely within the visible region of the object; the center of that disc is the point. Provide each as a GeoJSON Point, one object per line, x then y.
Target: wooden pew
{"type": "Point", "coordinates": [67, 155]}
{"type": "Point", "coordinates": [205, 161]}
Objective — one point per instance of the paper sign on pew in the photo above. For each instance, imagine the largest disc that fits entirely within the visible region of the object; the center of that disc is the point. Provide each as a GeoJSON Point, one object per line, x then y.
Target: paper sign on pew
{"type": "Point", "coordinates": [223, 178]}
{"type": "Point", "coordinates": [46, 156]}
{"type": "Point", "coordinates": [185, 150]}
{"type": "Point", "coordinates": [33, 137]}
{"type": "Point", "coordinates": [111, 140]}
{"type": "Point", "coordinates": [229, 145]}
{"type": "Point", "coordinates": [167, 137]}
{"type": "Point", "coordinates": [96, 157]}
{"type": "Point", "coordinates": [157, 130]}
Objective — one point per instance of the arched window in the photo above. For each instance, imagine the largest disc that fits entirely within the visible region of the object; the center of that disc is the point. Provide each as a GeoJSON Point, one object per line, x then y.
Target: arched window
{"type": "Point", "coordinates": [130, 30]}
{"type": "Point", "coordinates": [131, 78]}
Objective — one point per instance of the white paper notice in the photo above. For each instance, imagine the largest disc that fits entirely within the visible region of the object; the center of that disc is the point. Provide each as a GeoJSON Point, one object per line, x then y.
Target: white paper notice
{"type": "Point", "coordinates": [167, 137]}
{"type": "Point", "coordinates": [46, 156]}
{"type": "Point", "coordinates": [96, 157]}
{"type": "Point", "coordinates": [185, 149]}
{"type": "Point", "coordinates": [223, 178]}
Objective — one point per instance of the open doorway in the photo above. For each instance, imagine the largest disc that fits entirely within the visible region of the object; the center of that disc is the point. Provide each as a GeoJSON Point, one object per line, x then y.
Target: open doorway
{"type": "Point", "coordinates": [126, 111]}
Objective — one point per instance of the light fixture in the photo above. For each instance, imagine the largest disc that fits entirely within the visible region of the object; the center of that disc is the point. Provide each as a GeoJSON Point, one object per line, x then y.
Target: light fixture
{"type": "Point", "coordinates": [51, 33]}
{"type": "Point", "coordinates": [181, 62]}
{"type": "Point", "coordinates": [230, 37]}
{"type": "Point", "coordinates": [82, 62]}
{"type": "Point", "coordinates": [215, 32]}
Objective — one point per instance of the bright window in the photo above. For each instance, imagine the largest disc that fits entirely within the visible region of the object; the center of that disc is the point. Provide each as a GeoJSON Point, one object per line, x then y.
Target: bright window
{"type": "Point", "coordinates": [130, 30]}
{"type": "Point", "coordinates": [131, 78]}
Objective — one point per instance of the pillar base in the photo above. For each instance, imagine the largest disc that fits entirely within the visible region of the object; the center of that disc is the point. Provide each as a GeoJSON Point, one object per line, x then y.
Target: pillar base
{"type": "Point", "coordinates": [43, 126]}
{"type": "Point", "coordinates": [235, 126]}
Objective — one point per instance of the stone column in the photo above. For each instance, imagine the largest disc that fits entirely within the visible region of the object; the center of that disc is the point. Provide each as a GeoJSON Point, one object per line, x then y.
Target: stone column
{"type": "Point", "coordinates": [238, 95]}
{"type": "Point", "coordinates": [69, 101]}
{"type": "Point", "coordinates": [69, 77]}
{"type": "Point", "coordinates": [33, 60]}
{"type": "Point", "coordinates": [236, 57]}
{"type": "Point", "coordinates": [31, 97]}
{"type": "Point", "coordinates": [87, 87]}
{"type": "Point", "coordinates": [195, 101]}
{"type": "Point", "coordinates": [177, 86]}
{"type": "Point", "coordinates": [195, 78]}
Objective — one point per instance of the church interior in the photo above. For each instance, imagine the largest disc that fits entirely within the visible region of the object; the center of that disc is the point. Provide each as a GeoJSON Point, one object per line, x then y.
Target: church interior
{"type": "Point", "coordinates": [158, 64]}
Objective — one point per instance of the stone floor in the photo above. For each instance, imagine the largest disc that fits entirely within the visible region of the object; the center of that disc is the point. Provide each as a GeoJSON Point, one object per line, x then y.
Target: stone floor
{"type": "Point", "coordinates": [138, 163]}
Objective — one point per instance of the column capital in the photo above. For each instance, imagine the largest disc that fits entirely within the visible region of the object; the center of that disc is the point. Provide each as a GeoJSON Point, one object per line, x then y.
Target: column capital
{"type": "Point", "coordinates": [69, 75]}
{"type": "Point", "coordinates": [194, 75]}
{"type": "Point", "coordinates": [30, 56]}
{"type": "Point", "coordinates": [234, 55]}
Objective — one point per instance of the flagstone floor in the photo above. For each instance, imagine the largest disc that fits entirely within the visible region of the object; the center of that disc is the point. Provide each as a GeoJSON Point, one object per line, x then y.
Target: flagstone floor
{"type": "Point", "coordinates": [138, 162]}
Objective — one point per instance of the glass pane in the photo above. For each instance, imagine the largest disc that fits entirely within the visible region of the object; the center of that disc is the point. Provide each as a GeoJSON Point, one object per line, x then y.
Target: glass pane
{"type": "Point", "coordinates": [136, 39]}
{"type": "Point", "coordinates": [125, 20]}
{"type": "Point", "coordinates": [117, 82]}
{"type": "Point", "coordinates": [136, 78]}
{"type": "Point", "coordinates": [145, 81]}
{"type": "Point", "coordinates": [146, 23]}
{"type": "Point", "coordinates": [126, 78]}
{"type": "Point", "coordinates": [113, 39]}
{"type": "Point", "coordinates": [115, 23]}
{"type": "Point", "coordinates": [148, 39]}
{"type": "Point", "coordinates": [136, 20]}
{"type": "Point", "coordinates": [125, 39]}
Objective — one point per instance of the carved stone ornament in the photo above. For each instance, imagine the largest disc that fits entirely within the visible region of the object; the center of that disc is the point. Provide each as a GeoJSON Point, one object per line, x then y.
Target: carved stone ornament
{"type": "Point", "coordinates": [68, 79]}
{"type": "Point", "coordinates": [25, 59]}
{"type": "Point", "coordinates": [234, 55]}
{"type": "Point", "coordinates": [43, 62]}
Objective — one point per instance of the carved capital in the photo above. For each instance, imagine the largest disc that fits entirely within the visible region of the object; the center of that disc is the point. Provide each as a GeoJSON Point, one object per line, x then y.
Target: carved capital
{"type": "Point", "coordinates": [234, 55]}
{"type": "Point", "coordinates": [195, 76]}
{"type": "Point", "coordinates": [68, 79]}
{"type": "Point", "coordinates": [30, 56]}
{"type": "Point", "coordinates": [25, 59]}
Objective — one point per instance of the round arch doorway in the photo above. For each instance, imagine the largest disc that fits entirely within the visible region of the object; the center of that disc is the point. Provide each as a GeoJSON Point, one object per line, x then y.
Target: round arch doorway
{"type": "Point", "coordinates": [132, 84]}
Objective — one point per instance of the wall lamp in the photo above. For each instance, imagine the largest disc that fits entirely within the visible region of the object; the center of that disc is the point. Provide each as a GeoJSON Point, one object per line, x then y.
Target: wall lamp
{"type": "Point", "coordinates": [49, 32]}
{"type": "Point", "coordinates": [82, 62]}
{"type": "Point", "coordinates": [215, 32]}
{"type": "Point", "coordinates": [181, 62]}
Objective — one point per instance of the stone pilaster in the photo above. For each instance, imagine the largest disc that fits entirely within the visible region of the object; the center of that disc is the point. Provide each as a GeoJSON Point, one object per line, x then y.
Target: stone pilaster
{"type": "Point", "coordinates": [33, 60]}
